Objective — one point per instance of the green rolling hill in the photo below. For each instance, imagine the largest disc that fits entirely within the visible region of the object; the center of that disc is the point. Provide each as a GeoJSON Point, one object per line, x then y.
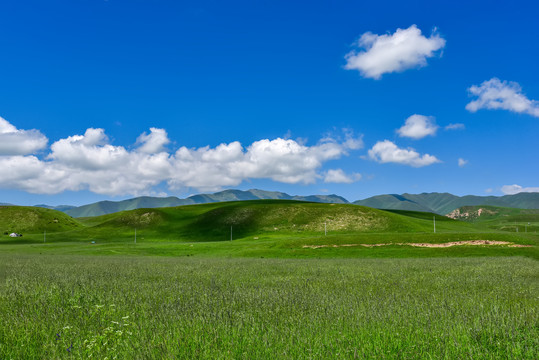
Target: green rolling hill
{"type": "Point", "coordinates": [212, 221]}
{"type": "Point", "coordinates": [257, 218]}
{"type": "Point", "coordinates": [256, 226]}
{"type": "Point", "coordinates": [28, 219]}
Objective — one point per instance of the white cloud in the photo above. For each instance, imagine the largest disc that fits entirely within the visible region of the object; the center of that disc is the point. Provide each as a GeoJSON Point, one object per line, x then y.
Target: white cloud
{"type": "Point", "coordinates": [282, 160]}
{"type": "Point", "coordinates": [154, 142]}
{"type": "Point", "coordinates": [515, 189]}
{"type": "Point", "coordinates": [457, 126]}
{"type": "Point", "coordinates": [89, 151]}
{"type": "Point", "coordinates": [19, 142]}
{"type": "Point", "coordinates": [495, 94]}
{"type": "Point", "coordinates": [387, 152]}
{"type": "Point", "coordinates": [405, 49]}
{"type": "Point", "coordinates": [352, 142]}
{"type": "Point", "coordinates": [462, 162]}
{"type": "Point", "coordinates": [90, 162]}
{"type": "Point", "coordinates": [339, 176]}
{"type": "Point", "coordinates": [418, 126]}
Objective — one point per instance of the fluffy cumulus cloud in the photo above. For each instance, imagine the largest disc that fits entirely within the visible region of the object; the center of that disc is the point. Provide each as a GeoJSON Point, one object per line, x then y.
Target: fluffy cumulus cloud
{"type": "Point", "coordinates": [462, 162]}
{"type": "Point", "coordinates": [339, 176]}
{"type": "Point", "coordinates": [418, 126]}
{"type": "Point", "coordinates": [495, 94]}
{"type": "Point", "coordinates": [19, 142]}
{"type": "Point", "coordinates": [387, 152]}
{"type": "Point", "coordinates": [90, 151]}
{"type": "Point", "coordinates": [282, 160]}
{"type": "Point", "coordinates": [154, 142]}
{"type": "Point", "coordinates": [515, 189]}
{"type": "Point", "coordinates": [90, 162]}
{"type": "Point", "coordinates": [404, 49]}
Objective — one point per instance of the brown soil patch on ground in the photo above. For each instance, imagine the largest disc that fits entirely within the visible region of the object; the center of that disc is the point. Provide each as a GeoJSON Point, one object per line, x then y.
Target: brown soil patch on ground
{"type": "Point", "coordinates": [429, 245]}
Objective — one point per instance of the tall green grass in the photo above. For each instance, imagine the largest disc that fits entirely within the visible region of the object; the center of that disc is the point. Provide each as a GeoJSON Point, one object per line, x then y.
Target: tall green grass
{"type": "Point", "coordinates": [83, 307]}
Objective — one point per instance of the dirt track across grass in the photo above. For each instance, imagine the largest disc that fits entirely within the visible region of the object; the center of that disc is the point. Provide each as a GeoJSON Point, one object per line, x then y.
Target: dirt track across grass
{"type": "Point", "coordinates": [429, 245]}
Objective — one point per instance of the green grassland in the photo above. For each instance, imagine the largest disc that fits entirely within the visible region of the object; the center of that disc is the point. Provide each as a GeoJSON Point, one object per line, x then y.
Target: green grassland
{"type": "Point", "coordinates": [282, 288]}
{"type": "Point", "coordinates": [84, 307]}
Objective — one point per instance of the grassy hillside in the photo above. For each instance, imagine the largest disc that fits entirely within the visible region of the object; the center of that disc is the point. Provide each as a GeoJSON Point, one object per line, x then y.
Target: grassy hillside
{"type": "Point", "coordinates": [501, 218]}
{"type": "Point", "coordinates": [26, 219]}
{"type": "Point", "coordinates": [277, 228]}
{"type": "Point", "coordinates": [257, 218]}
{"type": "Point", "coordinates": [260, 218]}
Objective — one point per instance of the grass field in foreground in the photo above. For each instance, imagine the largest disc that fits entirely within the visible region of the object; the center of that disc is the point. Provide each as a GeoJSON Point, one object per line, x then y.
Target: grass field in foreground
{"type": "Point", "coordinates": [55, 306]}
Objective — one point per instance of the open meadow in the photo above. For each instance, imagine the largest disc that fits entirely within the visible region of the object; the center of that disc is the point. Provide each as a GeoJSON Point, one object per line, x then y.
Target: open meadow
{"type": "Point", "coordinates": [297, 281]}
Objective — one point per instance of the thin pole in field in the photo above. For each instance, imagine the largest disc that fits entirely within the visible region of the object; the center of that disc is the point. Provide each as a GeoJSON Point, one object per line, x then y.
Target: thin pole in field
{"type": "Point", "coordinates": [434, 222]}
{"type": "Point", "coordinates": [231, 233]}
{"type": "Point", "coordinates": [325, 229]}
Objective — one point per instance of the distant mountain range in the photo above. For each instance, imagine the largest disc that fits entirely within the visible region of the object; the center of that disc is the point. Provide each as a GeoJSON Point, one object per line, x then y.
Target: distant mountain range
{"type": "Point", "coordinates": [108, 207]}
{"type": "Point", "coordinates": [444, 203]}
{"type": "Point", "coordinates": [62, 208]}
{"type": "Point", "coordinates": [439, 203]}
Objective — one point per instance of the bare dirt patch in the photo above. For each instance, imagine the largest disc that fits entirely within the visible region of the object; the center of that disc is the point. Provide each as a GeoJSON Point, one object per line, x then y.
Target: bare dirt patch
{"type": "Point", "coordinates": [428, 245]}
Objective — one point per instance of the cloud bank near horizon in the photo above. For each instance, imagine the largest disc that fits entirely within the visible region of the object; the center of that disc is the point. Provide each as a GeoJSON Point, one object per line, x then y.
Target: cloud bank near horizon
{"type": "Point", "coordinates": [515, 189]}
{"type": "Point", "coordinates": [91, 162]}
{"type": "Point", "coordinates": [19, 142]}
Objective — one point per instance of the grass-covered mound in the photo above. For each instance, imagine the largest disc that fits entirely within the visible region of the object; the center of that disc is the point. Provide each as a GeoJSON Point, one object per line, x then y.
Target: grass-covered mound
{"type": "Point", "coordinates": [33, 220]}
{"type": "Point", "coordinates": [260, 218]}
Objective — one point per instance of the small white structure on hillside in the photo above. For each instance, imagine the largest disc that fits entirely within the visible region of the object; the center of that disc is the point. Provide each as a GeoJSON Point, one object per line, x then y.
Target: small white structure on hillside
{"type": "Point", "coordinates": [15, 235]}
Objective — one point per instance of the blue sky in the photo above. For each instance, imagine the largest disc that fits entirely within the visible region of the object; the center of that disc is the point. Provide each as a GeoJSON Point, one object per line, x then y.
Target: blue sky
{"type": "Point", "coordinates": [115, 99]}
